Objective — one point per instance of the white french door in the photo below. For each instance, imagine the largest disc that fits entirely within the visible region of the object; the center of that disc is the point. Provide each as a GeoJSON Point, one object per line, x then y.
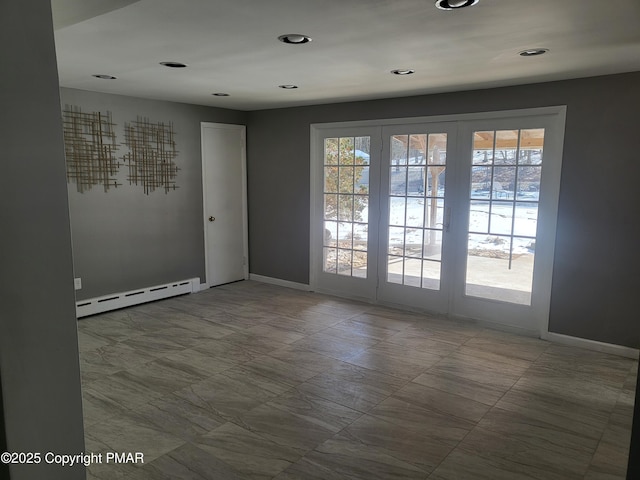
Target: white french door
{"type": "Point", "coordinates": [345, 212]}
{"type": "Point", "coordinates": [452, 215]}
{"type": "Point", "coordinates": [506, 210]}
{"type": "Point", "coordinates": [415, 214]}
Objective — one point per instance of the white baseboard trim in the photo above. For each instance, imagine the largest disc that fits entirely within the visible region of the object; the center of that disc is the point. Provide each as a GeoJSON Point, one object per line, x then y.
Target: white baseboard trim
{"type": "Point", "coordinates": [115, 301]}
{"type": "Point", "coordinates": [591, 345]}
{"type": "Point", "coordinates": [202, 287]}
{"type": "Point", "coordinates": [279, 282]}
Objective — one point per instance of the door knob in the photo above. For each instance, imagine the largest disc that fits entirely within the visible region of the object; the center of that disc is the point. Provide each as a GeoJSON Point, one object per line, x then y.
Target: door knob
{"type": "Point", "coordinates": [212, 219]}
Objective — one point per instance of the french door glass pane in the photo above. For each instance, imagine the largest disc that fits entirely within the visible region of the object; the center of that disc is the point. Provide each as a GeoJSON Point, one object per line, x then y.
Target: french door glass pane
{"type": "Point", "coordinates": [416, 209]}
{"type": "Point", "coordinates": [346, 205]}
{"type": "Point", "coordinates": [503, 214]}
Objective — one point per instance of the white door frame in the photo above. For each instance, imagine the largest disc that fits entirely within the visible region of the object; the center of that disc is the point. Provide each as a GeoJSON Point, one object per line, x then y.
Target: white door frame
{"type": "Point", "coordinates": [551, 176]}
{"type": "Point", "coordinates": [245, 223]}
{"type": "Point", "coordinates": [359, 288]}
{"type": "Point", "coordinates": [535, 317]}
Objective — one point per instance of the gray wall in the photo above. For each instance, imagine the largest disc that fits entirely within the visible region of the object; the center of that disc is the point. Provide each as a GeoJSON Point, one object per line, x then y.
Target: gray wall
{"type": "Point", "coordinates": [597, 250]}
{"type": "Point", "coordinates": [38, 337]}
{"type": "Point", "coordinates": [124, 239]}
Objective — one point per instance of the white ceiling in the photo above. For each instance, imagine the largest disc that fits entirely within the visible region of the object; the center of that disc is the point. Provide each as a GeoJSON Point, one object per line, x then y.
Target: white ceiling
{"type": "Point", "coordinates": [231, 46]}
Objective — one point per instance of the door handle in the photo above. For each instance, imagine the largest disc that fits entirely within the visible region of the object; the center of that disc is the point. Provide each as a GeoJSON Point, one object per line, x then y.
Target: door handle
{"type": "Point", "coordinates": [447, 219]}
{"type": "Point", "coordinates": [212, 219]}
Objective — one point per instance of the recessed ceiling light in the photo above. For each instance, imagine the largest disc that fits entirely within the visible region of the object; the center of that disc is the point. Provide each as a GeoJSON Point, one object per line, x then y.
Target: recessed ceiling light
{"type": "Point", "coordinates": [173, 64]}
{"type": "Point", "coordinates": [105, 77]}
{"type": "Point", "coordinates": [533, 52]}
{"type": "Point", "coordinates": [220, 94]}
{"type": "Point", "coordinates": [454, 4]}
{"type": "Point", "coordinates": [294, 38]}
{"type": "Point", "coordinates": [403, 71]}
{"type": "Point", "coordinates": [288, 87]}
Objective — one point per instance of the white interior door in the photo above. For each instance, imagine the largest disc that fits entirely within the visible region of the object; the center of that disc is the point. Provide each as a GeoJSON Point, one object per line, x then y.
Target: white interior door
{"type": "Point", "coordinates": [225, 205]}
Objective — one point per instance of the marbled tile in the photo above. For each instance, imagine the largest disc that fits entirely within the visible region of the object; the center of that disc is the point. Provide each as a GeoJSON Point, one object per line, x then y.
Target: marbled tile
{"type": "Point", "coordinates": [538, 434]}
{"type": "Point", "coordinates": [622, 414]}
{"type": "Point", "coordinates": [274, 333]}
{"type": "Point", "coordinates": [339, 459]}
{"type": "Point", "coordinates": [475, 355]}
{"type": "Point", "coordinates": [164, 376]}
{"type": "Point", "coordinates": [224, 396]}
{"type": "Point", "coordinates": [253, 455]}
{"type": "Point", "coordinates": [124, 389]}
{"type": "Point", "coordinates": [94, 366]}
{"type": "Point", "coordinates": [610, 460]}
{"type": "Point", "coordinates": [331, 346]}
{"type": "Point", "coordinates": [294, 355]}
{"type": "Point", "coordinates": [534, 458]}
{"type": "Point", "coordinates": [231, 352]}
{"type": "Point", "coordinates": [179, 417]}
{"type": "Point", "coordinates": [463, 387]}
{"type": "Point", "coordinates": [499, 376]}
{"type": "Point", "coordinates": [195, 363]}
{"type": "Point", "coordinates": [433, 331]}
{"type": "Point", "coordinates": [97, 408]}
{"type": "Point", "coordinates": [444, 403]}
{"type": "Point", "coordinates": [594, 474]}
{"type": "Point", "coordinates": [314, 409]}
{"type": "Point", "coordinates": [422, 344]}
{"type": "Point", "coordinates": [198, 309]}
{"type": "Point", "coordinates": [240, 374]}
{"type": "Point", "coordinates": [352, 329]}
{"type": "Point", "coordinates": [579, 389]}
{"type": "Point", "coordinates": [464, 465]}
{"type": "Point", "coordinates": [392, 320]}
{"type": "Point", "coordinates": [319, 319]}
{"type": "Point", "coordinates": [402, 416]}
{"type": "Point", "coordinates": [310, 322]}
{"type": "Point", "coordinates": [139, 317]}
{"type": "Point", "coordinates": [357, 337]}
{"type": "Point", "coordinates": [338, 307]}
{"type": "Point", "coordinates": [382, 359]}
{"type": "Point", "coordinates": [587, 365]}
{"type": "Point", "coordinates": [352, 386]}
{"type": "Point", "coordinates": [412, 356]}
{"type": "Point", "coordinates": [355, 415]}
{"type": "Point", "coordinates": [117, 355]}
{"type": "Point", "coordinates": [153, 345]}
{"type": "Point", "coordinates": [424, 448]}
{"type": "Point", "coordinates": [108, 328]}
{"type": "Point", "coordinates": [88, 341]}
{"type": "Point", "coordinates": [205, 329]}
{"type": "Point", "coordinates": [631, 382]}
{"type": "Point", "coordinates": [508, 344]}
{"type": "Point", "coordinates": [440, 324]}
{"type": "Point", "coordinates": [285, 429]}
{"type": "Point", "coordinates": [404, 317]}
{"type": "Point", "coordinates": [283, 372]}
{"type": "Point", "coordinates": [255, 342]}
{"type": "Point", "coordinates": [103, 471]}
{"type": "Point", "coordinates": [134, 434]}
{"type": "Point", "coordinates": [239, 322]}
{"type": "Point", "coordinates": [560, 411]}
{"type": "Point", "coordinates": [93, 445]}
{"type": "Point", "coordinates": [188, 462]}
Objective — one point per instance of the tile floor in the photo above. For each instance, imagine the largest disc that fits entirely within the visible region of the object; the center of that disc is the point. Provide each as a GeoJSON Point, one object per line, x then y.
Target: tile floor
{"type": "Point", "coordinates": [253, 381]}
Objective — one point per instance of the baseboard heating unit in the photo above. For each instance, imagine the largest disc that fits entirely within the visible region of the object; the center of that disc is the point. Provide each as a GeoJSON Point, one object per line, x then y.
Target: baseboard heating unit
{"type": "Point", "coordinates": [92, 306]}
